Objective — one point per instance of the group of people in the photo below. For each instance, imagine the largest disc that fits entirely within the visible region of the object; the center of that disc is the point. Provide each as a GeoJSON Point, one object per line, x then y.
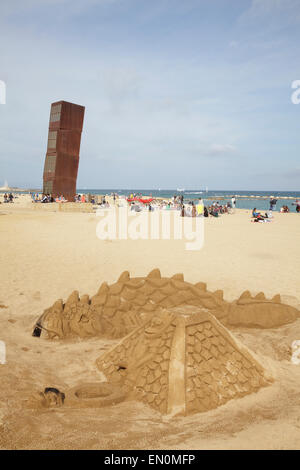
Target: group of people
{"type": "Point", "coordinates": [189, 209]}
{"type": "Point", "coordinates": [8, 198]}
{"type": "Point", "coordinates": [258, 217]}
{"type": "Point", "coordinates": [47, 198]}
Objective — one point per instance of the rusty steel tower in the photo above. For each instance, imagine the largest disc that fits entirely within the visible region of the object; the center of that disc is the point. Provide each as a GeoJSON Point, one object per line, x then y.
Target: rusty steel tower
{"type": "Point", "coordinates": [62, 157]}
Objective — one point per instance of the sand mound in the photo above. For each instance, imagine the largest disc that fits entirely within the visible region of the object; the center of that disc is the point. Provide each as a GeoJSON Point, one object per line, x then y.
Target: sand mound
{"type": "Point", "coordinates": [182, 364]}
{"type": "Point", "coordinates": [118, 309]}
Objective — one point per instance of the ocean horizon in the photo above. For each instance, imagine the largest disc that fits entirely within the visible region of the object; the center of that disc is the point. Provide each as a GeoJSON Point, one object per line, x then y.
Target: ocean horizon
{"type": "Point", "coordinates": [246, 199]}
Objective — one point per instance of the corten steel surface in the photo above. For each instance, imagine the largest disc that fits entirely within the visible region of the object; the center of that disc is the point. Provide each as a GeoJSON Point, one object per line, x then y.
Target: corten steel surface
{"type": "Point", "coordinates": [60, 174]}
{"type": "Point", "coordinates": [64, 141]}
{"type": "Point", "coordinates": [62, 157]}
{"type": "Point", "coordinates": [64, 115]}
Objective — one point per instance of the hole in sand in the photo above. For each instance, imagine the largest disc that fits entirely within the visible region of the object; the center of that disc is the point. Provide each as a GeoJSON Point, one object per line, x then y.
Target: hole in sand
{"type": "Point", "coordinates": [93, 391]}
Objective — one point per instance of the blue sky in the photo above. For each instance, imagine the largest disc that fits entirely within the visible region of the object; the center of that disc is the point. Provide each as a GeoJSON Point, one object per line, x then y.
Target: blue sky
{"type": "Point", "coordinates": [178, 93]}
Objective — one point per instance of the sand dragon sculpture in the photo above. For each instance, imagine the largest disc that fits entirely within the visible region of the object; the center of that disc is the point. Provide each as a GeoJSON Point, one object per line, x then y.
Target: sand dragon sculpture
{"type": "Point", "coordinates": [176, 352]}
{"type": "Point", "coordinates": [118, 309]}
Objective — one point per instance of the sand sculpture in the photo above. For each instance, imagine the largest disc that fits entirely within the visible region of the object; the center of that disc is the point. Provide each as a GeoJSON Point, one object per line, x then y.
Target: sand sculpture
{"type": "Point", "coordinates": [177, 363]}
{"type": "Point", "coordinates": [182, 364]}
{"type": "Point", "coordinates": [120, 308]}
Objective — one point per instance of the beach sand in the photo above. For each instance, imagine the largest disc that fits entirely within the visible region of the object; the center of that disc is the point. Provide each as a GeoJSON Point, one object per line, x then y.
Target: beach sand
{"type": "Point", "coordinates": [46, 255]}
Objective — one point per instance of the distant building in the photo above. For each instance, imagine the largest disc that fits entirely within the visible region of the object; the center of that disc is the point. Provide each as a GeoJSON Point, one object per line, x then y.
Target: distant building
{"type": "Point", "coordinates": [62, 157]}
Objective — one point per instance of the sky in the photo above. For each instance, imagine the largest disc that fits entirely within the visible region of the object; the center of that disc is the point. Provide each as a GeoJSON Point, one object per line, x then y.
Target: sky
{"type": "Point", "coordinates": [178, 93]}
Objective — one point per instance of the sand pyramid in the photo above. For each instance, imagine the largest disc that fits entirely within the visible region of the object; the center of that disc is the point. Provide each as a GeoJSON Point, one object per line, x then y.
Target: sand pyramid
{"type": "Point", "coordinates": [180, 364]}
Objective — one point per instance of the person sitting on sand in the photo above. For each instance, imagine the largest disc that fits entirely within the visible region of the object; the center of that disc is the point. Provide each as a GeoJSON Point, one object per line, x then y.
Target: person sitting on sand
{"type": "Point", "coordinates": [182, 213]}
{"type": "Point", "coordinates": [258, 216]}
{"type": "Point", "coordinates": [213, 211]}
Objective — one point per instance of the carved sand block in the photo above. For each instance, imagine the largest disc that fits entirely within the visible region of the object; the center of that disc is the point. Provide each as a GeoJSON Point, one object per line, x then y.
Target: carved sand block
{"type": "Point", "coordinates": [182, 364]}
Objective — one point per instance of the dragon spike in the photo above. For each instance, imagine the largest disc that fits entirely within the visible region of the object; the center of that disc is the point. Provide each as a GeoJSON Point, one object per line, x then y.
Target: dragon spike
{"type": "Point", "coordinates": [260, 296]}
{"type": "Point", "coordinates": [245, 295]}
{"type": "Point", "coordinates": [155, 273]}
{"type": "Point", "coordinates": [178, 277]}
{"type": "Point", "coordinates": [219, 294]}
{"type": "Point", "coordinates": [85, 299]}
{"type": "Point", "coordinates": [58, 305]}
{"type": "Point", "coordinates": [103, 288]}
{"type": "Point", "coordinates": [201, 286]}
{"type": "Point", "coordinates": [125, 276]}
{"type": "Point", "coordinates": [73, 298]}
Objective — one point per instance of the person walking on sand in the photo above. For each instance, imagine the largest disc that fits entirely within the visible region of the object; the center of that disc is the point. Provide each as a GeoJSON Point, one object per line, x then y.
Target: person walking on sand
{"type": "Point", "coordinates": [233, 203]}
{"type": "Point", "coordinates": [273, 202]}
{"type": "Point", "coordinates": [200, 207]}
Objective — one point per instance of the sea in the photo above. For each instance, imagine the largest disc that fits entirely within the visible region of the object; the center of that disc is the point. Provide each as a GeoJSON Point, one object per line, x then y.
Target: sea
{"type": "Point", "coordinates": [244, 199]}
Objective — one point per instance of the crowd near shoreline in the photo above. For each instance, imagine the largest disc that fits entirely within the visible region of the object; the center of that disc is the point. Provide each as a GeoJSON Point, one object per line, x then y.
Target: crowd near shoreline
{"type": "Point", "coordinates": [187, 206]}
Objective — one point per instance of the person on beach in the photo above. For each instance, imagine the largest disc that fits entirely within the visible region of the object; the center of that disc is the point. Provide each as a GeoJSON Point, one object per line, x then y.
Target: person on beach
{"type": "Point", "coordinates": [233, 203]}
{"type": "Point", "coordinates": [200, 207]}
{"type": "Point", "coordinates": [194, 210]}
{"type": "Point", "coordinates": [258, 216]}
{"type": "Point", "coordinates": [273, 202]}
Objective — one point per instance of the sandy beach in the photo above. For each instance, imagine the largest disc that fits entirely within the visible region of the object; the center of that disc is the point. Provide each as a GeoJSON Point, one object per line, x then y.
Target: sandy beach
{"type": "Point", "coordinates": [46, 255]}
